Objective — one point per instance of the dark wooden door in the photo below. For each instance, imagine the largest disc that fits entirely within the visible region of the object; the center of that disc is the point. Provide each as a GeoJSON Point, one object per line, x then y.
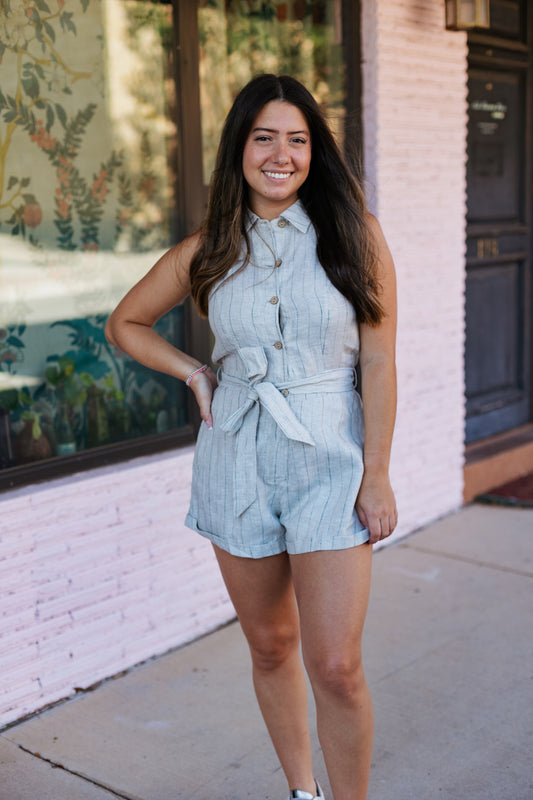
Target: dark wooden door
{"type": "Point", "coordinates": [498, 283]}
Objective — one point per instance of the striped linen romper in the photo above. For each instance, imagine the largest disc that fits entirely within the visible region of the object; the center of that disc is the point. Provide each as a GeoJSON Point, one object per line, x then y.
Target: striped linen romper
{"type": "Point", "coordinates": [281, 468]}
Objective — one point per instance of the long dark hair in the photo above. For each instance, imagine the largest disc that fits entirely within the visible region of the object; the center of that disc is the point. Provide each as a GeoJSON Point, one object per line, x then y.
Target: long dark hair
{"type": "Point", "coordinates": [331, 195]}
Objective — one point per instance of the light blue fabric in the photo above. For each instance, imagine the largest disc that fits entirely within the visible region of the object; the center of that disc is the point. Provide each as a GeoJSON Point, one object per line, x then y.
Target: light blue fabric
{"type": "Point", "coordinates": [282, 466]}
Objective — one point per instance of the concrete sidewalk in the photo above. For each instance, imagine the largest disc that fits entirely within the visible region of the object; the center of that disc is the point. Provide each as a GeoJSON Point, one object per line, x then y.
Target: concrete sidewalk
{"type": "Point", "coordinates": [448, 648]}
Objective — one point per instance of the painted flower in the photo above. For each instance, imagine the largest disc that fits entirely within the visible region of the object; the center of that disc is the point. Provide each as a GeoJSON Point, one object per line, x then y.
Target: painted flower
{"type": "Point", "coordinates": [63, 207]}
{"type": "Point", "coordinates": [99, 187]}
{"type": "Point", "coordinates": [15, 25]}
{"type": "Point", "coordinates": [42, 138]}
{"type": "Point", "coordinates": [32, 215]}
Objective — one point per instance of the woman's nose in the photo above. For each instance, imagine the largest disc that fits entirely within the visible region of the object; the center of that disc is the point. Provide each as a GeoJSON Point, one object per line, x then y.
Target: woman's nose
{"type": "Point", "coordinates": [281, 156]}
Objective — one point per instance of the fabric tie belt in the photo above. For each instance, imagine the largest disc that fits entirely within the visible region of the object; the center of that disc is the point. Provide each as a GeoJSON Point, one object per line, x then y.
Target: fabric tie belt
{"type": "Point", "coordinates": [243, 422]}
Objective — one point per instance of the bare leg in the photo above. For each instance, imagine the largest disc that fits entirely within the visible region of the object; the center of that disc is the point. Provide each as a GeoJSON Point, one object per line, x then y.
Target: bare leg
{"type": "Point", "coordinates": [263, 595]}
{"type": "Point", "coordinates": [332, 589]}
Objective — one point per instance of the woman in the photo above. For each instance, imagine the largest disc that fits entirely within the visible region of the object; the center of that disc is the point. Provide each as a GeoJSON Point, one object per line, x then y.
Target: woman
{"type": "Point", "coordinates": [298, 283]}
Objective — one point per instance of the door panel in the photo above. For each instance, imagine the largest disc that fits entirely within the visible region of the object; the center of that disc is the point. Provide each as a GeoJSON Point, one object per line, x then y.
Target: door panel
{"type": "Point", "coordinates": [498, 302]}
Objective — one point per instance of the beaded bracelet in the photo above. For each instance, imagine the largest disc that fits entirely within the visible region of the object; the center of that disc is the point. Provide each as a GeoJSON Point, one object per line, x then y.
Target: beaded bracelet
{"type": "Point", "coordinates": [196, 371]}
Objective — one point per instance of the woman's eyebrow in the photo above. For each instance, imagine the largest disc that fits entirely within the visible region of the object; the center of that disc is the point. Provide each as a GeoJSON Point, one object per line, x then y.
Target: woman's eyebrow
{"type": "Point", "coordinates": [273, 130]}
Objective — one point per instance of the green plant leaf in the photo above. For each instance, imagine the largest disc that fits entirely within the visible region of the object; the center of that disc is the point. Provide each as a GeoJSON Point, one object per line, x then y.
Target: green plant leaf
{"type": "Point", "coordinates": [36, 428]}
{"type": "Point", "coordinates": [12, 182]}
{"type": "Point", "coordinates": [25, 182]}
{"type": "Point", "coordinates": [86, 379]}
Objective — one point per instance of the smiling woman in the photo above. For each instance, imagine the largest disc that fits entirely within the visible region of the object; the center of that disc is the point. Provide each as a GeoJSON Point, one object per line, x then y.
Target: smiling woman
{"type": "Point", "coordinates": [276, 158]}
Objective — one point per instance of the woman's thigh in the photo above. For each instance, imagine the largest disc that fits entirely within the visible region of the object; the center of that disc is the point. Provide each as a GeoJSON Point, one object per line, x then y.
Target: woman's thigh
{"type": "Point", "coordinates": [332, 589]}
{"type": "Point", "coordinates": [262, 592]}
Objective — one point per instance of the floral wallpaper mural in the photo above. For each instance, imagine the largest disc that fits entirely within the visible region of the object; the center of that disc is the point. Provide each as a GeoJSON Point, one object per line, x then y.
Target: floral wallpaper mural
{"type": "Point", "coordinates": [86, 206]}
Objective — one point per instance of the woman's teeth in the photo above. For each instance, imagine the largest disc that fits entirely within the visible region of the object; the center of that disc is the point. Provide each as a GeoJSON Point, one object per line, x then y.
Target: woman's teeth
{"type": "Point", "coordinates": [278, 176]}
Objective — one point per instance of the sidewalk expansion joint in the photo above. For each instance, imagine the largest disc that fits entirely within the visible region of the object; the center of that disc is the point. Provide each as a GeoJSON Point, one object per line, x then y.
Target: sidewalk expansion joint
{"type": "Point", "coordinates": [57, 765]}
{"type": "Point", "coordinates": [465, 559]}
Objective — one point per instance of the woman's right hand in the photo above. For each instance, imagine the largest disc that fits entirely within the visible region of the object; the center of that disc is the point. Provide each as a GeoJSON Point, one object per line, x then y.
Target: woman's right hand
{"type": "Point", "coordinates": [203, 385]}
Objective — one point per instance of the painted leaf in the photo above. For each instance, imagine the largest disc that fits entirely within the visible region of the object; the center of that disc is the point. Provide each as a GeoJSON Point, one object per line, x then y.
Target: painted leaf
{"type": "Point", "coordinates": [25, 182]}
{"type": "Point", "coordinates": [84, 4]}
{"type": "Point", "coordinates": [31, 86]}
{"type": "Point", "coordinates": [50, 117]}
{"type": "Point", "coordinates": [15, 341]}
{"type": "Point", "coordinates": [41, 5]}
{"type": "Point", "coordinates": [50, 31]}
{"type": "Point", "coordinates": [12, 182]}
{"type": "Point", "coordinates": [61, 114]}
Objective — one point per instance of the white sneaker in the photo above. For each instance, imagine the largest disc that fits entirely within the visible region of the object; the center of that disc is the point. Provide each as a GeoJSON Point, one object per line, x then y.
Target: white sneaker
{"type": "Point", "coordinates": [297, 794]}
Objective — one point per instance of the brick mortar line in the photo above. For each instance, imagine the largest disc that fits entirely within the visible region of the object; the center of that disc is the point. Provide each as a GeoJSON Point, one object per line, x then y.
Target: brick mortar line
{"type": "Point", "coordinates": [466, 560]}
{"type": "Point", "coordinates": [57, 765]}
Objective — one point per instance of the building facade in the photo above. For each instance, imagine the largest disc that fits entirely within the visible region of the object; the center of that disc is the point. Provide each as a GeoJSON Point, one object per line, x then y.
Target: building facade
{"type": "Point", "coordinates": [106, 152]}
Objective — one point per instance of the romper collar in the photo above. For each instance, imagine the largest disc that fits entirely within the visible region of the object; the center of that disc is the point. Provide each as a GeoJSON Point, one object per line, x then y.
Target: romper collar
{"type": "Point", "coordinates": [295, 214]}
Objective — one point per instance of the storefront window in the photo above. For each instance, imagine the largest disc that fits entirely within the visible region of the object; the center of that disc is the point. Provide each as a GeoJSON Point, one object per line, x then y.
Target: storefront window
{"type": "Point", "coordinates": [87, 199]}
{"type": "Point", "coordinates": [242, 38]}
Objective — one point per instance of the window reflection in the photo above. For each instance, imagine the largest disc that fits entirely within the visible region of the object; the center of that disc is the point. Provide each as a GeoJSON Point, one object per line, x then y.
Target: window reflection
{"type": "Point", "coordinates": [87, 185]}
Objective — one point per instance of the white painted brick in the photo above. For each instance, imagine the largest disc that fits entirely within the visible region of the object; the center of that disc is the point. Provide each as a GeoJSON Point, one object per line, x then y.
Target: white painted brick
{"type": "Point", "coordinates": [100, 573]}
{"type": "Point", "coordinates": [414, 111]}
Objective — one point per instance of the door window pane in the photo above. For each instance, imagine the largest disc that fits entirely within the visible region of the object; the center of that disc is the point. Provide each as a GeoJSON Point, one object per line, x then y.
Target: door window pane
{"type": "Point", "coordinates": [242, 38]}
{"type": "Point", "coordinates": [87, 185]}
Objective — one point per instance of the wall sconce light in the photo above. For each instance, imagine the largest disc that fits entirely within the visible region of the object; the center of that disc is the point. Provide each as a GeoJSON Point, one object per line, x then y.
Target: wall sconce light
{"type": "Point", "coordinates": [463, 15]}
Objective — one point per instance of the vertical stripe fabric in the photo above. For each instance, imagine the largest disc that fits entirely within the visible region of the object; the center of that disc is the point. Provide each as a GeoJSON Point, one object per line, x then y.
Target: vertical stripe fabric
{"type": "Point", "coordinates": [281, 467]}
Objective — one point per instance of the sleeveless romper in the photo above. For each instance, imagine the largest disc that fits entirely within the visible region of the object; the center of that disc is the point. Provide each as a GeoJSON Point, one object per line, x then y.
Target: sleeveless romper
{"type": "Point", "coordinates": [281, 468]}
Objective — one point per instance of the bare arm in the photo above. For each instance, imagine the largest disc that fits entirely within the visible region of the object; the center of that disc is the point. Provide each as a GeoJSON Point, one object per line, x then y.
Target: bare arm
{"type": "Point", "coordinates": [375, 504]}
{"type": "Point", "coordinates": [130, 326]}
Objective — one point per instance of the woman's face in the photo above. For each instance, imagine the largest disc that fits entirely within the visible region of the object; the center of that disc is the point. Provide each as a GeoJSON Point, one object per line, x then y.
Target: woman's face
{"type": "Point", "coordinates": [276, 158]}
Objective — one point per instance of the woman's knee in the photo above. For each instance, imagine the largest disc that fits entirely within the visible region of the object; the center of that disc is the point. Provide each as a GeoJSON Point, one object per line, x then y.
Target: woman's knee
{"type": "Point", "coordinates": [337, 675]}
{"type": "Point", "coordinates": [270, 647]}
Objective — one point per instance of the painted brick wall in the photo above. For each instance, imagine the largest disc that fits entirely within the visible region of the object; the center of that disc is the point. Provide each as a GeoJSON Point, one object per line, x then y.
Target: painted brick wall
{"type": "Point", "coordinates": [97, 573]}
{"type": "Point", "coordinates": [414, 111]}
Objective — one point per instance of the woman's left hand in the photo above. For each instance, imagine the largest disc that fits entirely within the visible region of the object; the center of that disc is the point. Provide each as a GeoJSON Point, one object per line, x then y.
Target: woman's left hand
{"type": "Point", "coordinates": [376, 506]}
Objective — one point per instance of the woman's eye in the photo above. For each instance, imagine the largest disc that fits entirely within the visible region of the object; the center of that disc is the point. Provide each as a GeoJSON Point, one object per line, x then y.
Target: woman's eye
{"type": "Point", "coordinates": [262, 138]}
{"type": "Point", "coordinates": [299, 141]}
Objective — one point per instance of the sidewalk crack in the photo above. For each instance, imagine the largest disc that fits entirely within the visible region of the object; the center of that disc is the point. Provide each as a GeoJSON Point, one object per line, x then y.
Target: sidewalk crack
{"type": "Point", "coordinates": [58, 765]}
{"type": "Point", "coordinates": [467, 560]}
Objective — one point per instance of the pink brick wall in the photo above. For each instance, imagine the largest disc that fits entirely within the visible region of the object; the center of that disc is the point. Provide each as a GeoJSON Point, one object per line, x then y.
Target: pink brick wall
{"type": "Point", "coordinates": [97, 573]}
{"type": "Point", "coordinates": [414, 110]}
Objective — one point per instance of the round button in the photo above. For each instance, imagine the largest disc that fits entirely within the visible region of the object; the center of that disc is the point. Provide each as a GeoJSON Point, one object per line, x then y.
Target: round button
{"type": "Point", "coordinates": [274, 300]}
{"type": "Point", "coordinates": [284, 392]}
{"type": "Point", "coordinates": [278, 262]}
{"type": "Point", "coordinates": [281, 223]}
{"type": "Point", "coordinates": [278, 345]}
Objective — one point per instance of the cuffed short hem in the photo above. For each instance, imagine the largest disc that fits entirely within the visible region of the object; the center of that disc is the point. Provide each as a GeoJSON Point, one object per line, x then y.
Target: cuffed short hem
{"type": "Point", "coordinates": [338, 543]}
{"type": "Point", "coordinates": [271, 548]}
{"type": "Point", "coordinates": [277, 546]}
